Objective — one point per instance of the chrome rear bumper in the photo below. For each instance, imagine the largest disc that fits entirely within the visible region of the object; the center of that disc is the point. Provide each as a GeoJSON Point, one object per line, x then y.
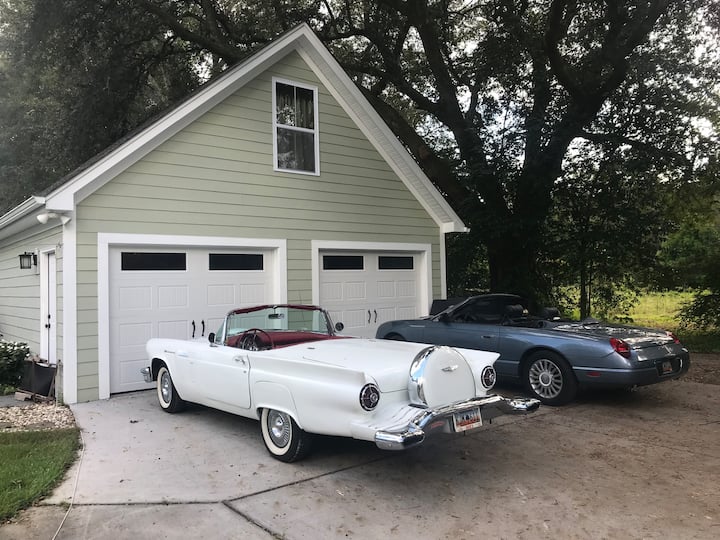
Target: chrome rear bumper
{"type": "Point", "coordinates": [425, 422]}
{"type": "Point", "coordinates": [147, 374]}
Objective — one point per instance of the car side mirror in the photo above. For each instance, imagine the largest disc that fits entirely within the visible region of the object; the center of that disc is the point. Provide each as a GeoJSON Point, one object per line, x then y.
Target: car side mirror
{"type": "Point", "coordinates": [339, 327]}
{"type": "Point", "coordinates": [211, 337]}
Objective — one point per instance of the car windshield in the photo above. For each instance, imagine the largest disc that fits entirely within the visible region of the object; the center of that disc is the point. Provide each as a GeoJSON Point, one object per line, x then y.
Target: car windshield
{"type": "Point", "coordinates": [278, 319]}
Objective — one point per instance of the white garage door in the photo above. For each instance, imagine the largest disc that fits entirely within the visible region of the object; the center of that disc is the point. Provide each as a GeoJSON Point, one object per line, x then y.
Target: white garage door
{"type": "Point", "coordinates": [364, 289]}
{"type": "Point", "coordinates": [175, 293]}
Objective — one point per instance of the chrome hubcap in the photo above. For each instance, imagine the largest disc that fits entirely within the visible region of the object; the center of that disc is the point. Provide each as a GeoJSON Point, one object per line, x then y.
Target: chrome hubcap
{"type": "Point", "coordinates": [546, 378]}
{"type": "Point", "coordinates": [279, 428]}
{"type": "Point", "coordinates": [165, 387]}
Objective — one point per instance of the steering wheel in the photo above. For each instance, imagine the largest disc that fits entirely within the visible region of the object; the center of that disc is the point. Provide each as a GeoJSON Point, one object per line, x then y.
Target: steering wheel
{"type": "Point", "coordinates": [251, 339]}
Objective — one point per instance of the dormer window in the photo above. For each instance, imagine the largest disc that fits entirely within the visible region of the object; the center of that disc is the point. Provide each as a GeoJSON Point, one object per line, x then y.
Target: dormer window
{"type": "Point", "coordinates": [295, 126]}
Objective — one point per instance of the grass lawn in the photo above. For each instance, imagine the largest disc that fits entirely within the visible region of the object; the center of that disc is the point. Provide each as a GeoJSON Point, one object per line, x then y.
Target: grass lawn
{"type": "Point", "coordinates": [661, 310]}
{"type": "Point", "coordinates": [31, 465]}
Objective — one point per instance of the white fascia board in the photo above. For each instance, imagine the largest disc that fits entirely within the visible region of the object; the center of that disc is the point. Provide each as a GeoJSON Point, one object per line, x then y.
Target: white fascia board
{"type": "Point", "coordinates": [378, 133]}
{"type": "Point", "coordinates": [89, 180]}
{"type": "Point", "coordinates": [20, 211]}
{"type": "Point", "coordinates": [21, 218]}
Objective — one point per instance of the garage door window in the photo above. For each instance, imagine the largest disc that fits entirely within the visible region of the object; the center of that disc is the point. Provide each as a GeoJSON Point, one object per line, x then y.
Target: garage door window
{"type": "Point", "coordinates": [343, 262]}
{"type": "Point", "coordinates": [143, 261]}
{"type": "Point", "coordinates": [395, 263]}
{"type": "Point", "coordinates": [236, 261]}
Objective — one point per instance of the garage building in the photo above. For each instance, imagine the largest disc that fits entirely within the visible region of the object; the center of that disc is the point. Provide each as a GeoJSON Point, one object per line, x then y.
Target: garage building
{"type": "Point", "coordinates": [275, 182]}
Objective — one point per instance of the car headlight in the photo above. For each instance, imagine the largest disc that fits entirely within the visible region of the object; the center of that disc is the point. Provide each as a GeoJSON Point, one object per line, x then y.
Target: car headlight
{"type": "Point", "coordinates": [488, 377]}
{"type": "Point", "coordinates": [369, 396]}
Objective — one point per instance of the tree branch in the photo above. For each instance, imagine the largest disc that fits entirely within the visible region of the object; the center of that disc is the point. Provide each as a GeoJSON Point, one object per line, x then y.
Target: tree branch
{"type": "Point", "coordinates": [226, 50]}
{"type": "Point", "coordinates": [649, 149]}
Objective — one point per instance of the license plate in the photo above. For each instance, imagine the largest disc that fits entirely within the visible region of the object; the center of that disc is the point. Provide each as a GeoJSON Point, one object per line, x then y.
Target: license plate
{"type": "Point", "coordinates": [462, 421]}
{"type": "Point", "coordinates": [667, 367]}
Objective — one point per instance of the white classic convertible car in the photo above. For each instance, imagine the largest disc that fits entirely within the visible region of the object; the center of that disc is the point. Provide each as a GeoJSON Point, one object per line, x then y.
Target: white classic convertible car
{"type": "Point", "coordinates": [286, 366]}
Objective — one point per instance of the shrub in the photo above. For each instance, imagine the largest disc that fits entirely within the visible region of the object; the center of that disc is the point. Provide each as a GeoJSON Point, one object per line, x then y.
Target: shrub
{"type": "Point", "coordinates": [12, 356]}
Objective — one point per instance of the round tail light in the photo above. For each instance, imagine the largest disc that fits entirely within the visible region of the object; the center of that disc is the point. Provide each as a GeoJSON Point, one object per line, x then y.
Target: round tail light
{"type": "Point", "coordinates": [488, 377]}
{"type": "Point", "coordinates": [369, 397]}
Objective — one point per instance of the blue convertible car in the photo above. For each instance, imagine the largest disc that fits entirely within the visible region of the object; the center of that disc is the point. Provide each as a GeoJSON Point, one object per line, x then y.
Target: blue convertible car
{"type": "Point", "coordinates": [552, 357]}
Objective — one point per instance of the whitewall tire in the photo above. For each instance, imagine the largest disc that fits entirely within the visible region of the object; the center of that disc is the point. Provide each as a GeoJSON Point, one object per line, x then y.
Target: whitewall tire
{"type": "Point", "coordinates": [283, 437]}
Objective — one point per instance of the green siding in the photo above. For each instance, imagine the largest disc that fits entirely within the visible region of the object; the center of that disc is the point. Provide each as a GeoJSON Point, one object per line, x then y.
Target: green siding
{"type": "Point", "coordinates": [20, 289]}
{"type": "Point", "coordinates": [216, 178]}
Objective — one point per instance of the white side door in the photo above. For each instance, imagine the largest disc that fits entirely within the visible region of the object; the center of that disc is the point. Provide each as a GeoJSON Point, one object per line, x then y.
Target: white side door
{"type": "Point", "coordinates": [48, 306]}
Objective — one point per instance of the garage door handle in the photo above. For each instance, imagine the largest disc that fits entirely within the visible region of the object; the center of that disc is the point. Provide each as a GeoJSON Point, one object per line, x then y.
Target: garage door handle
{"type": "Point", "coordinates": [203, 328]}
{"type": "Point", "coordinates": [369, 316]}
{"type": "Point", "coordinates": [193, 325]}
{"type": "Point", "coordinates": [375, 312]}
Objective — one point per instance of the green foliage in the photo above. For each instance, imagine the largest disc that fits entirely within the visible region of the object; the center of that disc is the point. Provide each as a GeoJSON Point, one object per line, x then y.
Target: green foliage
{"type": "Point", "coordinates": [76, 76]}
{"type": "Point", "coordinates": [12, 358]}
{"type": "Point", "coordinates": [609, 219]}
{"type": "Point", "coordinates": [690, 255]}
{"type": "Point", "coordinates": [31, 464]}
{"type": "Point", "coordinates": [700, 341]}
{"type": "Point", "coordinates": [703, 311]}
{"type": "Point", "coordinates": [468, 271]}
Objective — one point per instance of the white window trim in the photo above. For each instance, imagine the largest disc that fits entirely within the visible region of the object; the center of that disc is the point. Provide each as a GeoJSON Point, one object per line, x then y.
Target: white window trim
{"type": "Point", "coordinates": [315, 131]}
{"type": "Point", "coordinates": [424, 264]}
{"type": "Point", "coordinates": [106, 241]}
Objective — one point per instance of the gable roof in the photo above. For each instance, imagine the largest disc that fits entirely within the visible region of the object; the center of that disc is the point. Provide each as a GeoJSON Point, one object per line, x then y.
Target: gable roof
{"type": "Point", "coordinates": [101, 169]}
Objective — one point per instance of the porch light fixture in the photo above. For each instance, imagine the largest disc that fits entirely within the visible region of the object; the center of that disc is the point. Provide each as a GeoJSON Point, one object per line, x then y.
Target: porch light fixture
{"type": "Point", "coordinates": [45, 216]}
{"type": "Point", "coordinates": [27, 260]}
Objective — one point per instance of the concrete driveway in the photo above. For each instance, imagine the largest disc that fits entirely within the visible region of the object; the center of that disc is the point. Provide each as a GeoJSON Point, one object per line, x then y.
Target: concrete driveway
{"type": "Point", "coordinates": [644, 464]}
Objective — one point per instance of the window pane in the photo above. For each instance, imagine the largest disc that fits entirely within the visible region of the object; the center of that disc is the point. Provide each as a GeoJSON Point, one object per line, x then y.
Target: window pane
{"type": "Point", "coordinates": [152, 261]}
{"type": "Point", "coordinates": [343, 262]}
{"type": "Point", "coordinates": [296, 150]}
{"type": "Point", "coordinates": [395, 263]}
{"type": "Point", "coordinates": [236, 261]}
{"type": "Point", "coordinates": [304, 107]}
{"type": "Point", "coordinates": [285, 104]}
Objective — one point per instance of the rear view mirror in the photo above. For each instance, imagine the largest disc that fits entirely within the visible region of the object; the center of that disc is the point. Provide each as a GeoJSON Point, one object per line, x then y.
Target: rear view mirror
{"type": "Point", "coordinates": [339, 326]}
{"type": "Point", "coordinates": [211, 337]}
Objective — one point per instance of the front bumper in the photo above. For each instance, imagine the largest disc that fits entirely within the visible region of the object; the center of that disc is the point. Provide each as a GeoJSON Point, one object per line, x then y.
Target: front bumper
{"type": "Point", "coordinates": [414, 425]}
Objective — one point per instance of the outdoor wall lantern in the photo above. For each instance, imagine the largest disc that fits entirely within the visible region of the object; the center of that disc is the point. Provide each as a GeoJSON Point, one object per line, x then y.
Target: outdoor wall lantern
{"type": "Point", "coordinates": [27, 260]}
